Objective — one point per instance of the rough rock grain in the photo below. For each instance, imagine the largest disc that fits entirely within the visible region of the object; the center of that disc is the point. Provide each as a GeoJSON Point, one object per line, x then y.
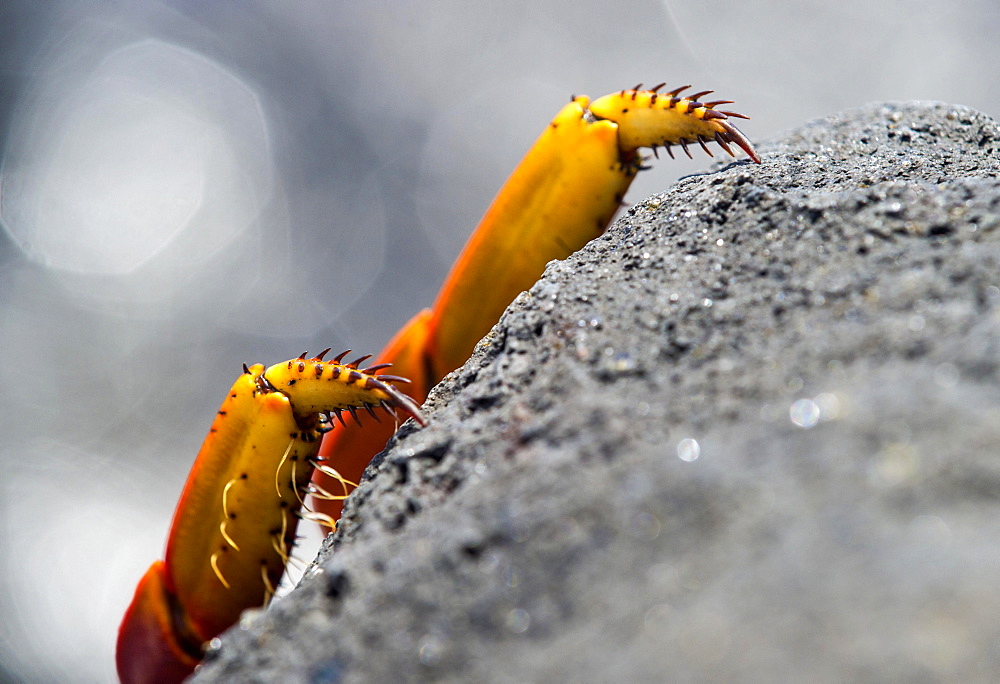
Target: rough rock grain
{"type": "Point", "coordinates": [752, 433]}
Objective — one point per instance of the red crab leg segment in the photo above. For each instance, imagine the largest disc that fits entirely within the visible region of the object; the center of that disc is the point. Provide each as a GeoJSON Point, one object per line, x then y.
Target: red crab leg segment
{"type": "Point", "coordinates": [563, 194]}
{"type": "Point", "coordinates": [235, 522]}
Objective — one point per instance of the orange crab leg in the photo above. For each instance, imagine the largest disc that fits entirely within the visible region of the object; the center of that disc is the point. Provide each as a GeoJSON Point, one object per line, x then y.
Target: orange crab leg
{"type": "Point", "coordinates": [235, 522]}
{"type": "Point", "coordinates": [564, 193]}
{"type": "Point", "coordinates": [236, 519]}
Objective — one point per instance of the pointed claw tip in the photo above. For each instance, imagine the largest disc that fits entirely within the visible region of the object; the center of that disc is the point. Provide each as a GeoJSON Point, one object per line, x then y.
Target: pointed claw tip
{"type": "Point", "coordinates": [359, 360]}
{"type": "Point", "coordinates": [735, 115]}
{"type": "Point", "coordinates": [735, 135]}
{"type": "Point", "coordinates": [724, 143]}
{"type": "Point", "coordinates": [701, 141]}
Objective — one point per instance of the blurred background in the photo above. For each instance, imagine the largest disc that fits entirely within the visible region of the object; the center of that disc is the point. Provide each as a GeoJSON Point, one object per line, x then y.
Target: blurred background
{"type": "Point", "coordinates": [188, 186]}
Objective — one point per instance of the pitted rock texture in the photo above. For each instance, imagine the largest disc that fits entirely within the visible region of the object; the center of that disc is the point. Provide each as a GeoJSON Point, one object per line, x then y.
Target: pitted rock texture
{"type": "Point", "coordinates": [752, 433]}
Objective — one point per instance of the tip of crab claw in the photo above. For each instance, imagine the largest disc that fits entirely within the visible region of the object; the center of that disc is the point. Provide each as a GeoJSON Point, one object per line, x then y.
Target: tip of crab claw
{"type": "Point", "coordinates": [735, 135]}
{"type": "Point", "coordinates": [410, 408]}
{"type": "Point", "coordinates": [397, 400]}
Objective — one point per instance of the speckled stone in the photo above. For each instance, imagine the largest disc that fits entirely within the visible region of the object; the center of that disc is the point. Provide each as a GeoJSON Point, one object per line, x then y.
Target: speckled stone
{"type": "Point", "coordinates": [752, 433]}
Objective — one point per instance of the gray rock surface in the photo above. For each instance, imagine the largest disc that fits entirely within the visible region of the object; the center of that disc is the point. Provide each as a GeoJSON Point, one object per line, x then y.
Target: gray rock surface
{"type": "Point", "coordinates": [752, 433]}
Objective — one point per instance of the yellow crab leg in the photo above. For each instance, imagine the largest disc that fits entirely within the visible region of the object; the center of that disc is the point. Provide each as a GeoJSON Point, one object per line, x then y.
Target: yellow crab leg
{"type": "Point", "coordinates": [228, 542]}
{"type": "Point", "coordinates": [564, 193]}
{"type": "Point", "coordinates": [237, 516]}
{"type": "Point", "coordinates": [647, 118]}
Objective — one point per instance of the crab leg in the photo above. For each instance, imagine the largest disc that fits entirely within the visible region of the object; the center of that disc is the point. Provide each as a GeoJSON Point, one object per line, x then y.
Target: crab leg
{"type": "Point", "coordinates": [563, 194]}
{"type": "Point", "coordinates": [236, 519]}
